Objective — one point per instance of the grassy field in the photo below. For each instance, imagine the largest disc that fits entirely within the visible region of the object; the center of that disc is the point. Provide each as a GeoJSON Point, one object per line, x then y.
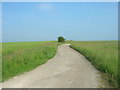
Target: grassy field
{"type": "Point", "coordinates": [19, 57]}
{"type": "Point", "coordinates": [102, 54]}
{"type": "Point", "coordinates": [0, 62]}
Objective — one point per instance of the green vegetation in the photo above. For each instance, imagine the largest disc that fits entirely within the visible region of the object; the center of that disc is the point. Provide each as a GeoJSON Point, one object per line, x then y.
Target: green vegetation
{"type": "Point", "coordinates": [102, 54]}
{"type": "Point", "coordinates": [61, 39]}
{"type": "Point", "coordinates": [0, 62]}
{"type": "Point", "coordinates": [19, 57]}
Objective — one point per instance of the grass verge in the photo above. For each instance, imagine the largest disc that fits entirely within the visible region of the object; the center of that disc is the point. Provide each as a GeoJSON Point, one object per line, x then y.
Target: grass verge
{"type": "Point", "coordinates": [103, 55]}
{"type": "Point", "coordinates": [0, 62]}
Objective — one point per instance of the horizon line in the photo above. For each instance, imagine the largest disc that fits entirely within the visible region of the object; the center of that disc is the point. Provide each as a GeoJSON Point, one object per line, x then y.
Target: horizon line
{"type": "Point", "coordinates": [56, 40]}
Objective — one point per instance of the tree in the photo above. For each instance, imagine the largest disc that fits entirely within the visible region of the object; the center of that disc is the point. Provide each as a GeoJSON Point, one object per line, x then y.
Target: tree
{"type": "Point", "coordinates": [61, 39]}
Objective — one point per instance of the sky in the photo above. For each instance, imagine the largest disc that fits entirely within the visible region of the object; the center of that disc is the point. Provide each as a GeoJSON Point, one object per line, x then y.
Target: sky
{"type": "Point", "coordinates": [0, 22]}
{"type": "Point", "coordinates": [80, 21]}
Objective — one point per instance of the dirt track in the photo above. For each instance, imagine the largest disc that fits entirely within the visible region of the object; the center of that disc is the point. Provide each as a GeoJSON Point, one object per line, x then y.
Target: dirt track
{"type": "Point", "coordinates": [68, 69]}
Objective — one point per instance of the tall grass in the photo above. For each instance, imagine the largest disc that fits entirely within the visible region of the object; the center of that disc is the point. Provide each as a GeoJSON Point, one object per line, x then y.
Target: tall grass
{"type": "Point", "coordinates": [0, 62]}
{"type": "Point", "coordinates": [19, 57]}
{"type": "Point", "coordinates": [102, 54]}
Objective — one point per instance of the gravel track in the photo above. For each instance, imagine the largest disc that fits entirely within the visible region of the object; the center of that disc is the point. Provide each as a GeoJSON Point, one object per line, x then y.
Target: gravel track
{"type": "Point", "coordinates": [68, 69]}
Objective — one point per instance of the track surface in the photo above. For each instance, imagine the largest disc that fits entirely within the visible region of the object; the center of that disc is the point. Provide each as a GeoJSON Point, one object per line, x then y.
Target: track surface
{"type": "Point", "coordinates": [68, 69]}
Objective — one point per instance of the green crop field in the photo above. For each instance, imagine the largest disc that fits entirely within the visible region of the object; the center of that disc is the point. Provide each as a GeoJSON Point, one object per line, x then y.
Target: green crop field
{"type": "Point", "coordinates": [19, 57]}
{"type": "Point", "coordinates": [102, 54]}
{"type": "Point", "coordinates": [0, 62]}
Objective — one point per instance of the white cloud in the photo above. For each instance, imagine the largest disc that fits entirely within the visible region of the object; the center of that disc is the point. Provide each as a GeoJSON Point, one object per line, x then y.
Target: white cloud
{"type": "Point", "coordinates": [45, 6]}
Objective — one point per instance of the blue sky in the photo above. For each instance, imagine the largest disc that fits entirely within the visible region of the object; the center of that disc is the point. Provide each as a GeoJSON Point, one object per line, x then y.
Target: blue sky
{"type": "Point", "coordinates": [81, 21]}
{"type": "Point", "coordinates": [1, 22]}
